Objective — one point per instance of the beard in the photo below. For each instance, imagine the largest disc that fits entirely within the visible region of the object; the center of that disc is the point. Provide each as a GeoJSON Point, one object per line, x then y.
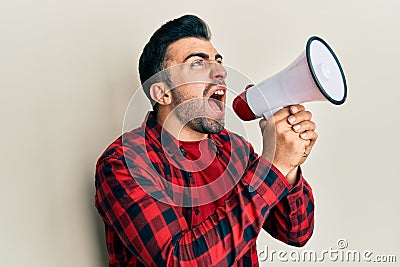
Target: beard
{"type": "Point", "coordinates": [192, 112]}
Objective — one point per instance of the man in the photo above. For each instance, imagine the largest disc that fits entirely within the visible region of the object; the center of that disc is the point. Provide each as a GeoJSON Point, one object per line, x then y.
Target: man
{"type": "Point", "coordinates": [183, 191]}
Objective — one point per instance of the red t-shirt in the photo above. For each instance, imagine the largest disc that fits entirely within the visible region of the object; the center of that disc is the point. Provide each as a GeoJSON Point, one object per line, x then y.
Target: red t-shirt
{"type": "Point", "coordinates": [204, 155]}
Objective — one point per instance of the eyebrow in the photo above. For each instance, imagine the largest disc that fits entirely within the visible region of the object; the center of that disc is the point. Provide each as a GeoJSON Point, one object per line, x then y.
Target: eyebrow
{"type": "Point", "coordinates": [203, 55]}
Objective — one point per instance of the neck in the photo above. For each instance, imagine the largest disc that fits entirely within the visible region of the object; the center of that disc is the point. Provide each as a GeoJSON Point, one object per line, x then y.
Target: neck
{"type": "Point", "coordinates": [174, 126]}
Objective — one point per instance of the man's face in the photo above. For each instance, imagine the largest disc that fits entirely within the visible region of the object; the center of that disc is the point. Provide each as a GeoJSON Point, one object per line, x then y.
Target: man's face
{"type": "Point", "coordinates": [198, 84]}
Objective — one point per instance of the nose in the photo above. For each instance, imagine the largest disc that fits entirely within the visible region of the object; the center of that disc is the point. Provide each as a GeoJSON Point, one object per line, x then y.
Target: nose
{"type": "Point", "coordinates": [218, 72]}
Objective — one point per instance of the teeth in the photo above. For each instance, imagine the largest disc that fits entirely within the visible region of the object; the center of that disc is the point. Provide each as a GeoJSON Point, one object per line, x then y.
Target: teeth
{"type": "Point", "coordinates": [219, 92]}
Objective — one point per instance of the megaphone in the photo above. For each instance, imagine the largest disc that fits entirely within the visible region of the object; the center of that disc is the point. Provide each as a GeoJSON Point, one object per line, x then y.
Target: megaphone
{"type": "Point", "coordinates": [315, 75]}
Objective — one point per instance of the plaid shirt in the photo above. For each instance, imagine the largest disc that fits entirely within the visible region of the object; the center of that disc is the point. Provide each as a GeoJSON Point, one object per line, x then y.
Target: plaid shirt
{"type": "Point", "coordinates": [152, 219]}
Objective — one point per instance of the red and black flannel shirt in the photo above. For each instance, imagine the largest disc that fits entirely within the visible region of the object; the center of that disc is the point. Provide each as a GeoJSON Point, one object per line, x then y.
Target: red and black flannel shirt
{"type": "Point", "coordinates": [141, 196]}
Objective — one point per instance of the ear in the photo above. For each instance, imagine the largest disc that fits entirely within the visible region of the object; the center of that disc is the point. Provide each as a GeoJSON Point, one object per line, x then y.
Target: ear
{"type": "Point", "coordinates": [161, 93]}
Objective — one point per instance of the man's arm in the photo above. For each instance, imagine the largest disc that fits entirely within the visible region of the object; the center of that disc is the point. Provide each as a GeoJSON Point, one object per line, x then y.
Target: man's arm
{"type": "Point", "coordinates": [292, 219]}
{"type": "Point", "coordinates": [157, 233]}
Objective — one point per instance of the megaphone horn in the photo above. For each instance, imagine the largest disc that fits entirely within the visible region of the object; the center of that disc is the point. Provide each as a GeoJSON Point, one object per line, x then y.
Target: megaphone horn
{"type": "Point", "coordinates": [315, 75]}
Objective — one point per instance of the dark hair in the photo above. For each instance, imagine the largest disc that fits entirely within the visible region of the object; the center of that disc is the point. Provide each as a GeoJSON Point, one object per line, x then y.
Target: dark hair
{"type": "Point", "coordinates": [153, 56]}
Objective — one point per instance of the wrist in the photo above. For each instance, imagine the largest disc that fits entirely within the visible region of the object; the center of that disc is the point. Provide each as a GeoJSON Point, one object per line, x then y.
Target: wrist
{"type": "Point", "coordinates": [281, 167]}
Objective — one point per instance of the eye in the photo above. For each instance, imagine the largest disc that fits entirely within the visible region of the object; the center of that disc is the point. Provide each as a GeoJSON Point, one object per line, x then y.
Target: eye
{"type": "Point", "coordinates": [198, 63]}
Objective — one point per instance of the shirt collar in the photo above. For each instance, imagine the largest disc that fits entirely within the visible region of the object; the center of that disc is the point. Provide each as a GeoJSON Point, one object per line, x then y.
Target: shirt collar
{"type": "Point", "coordinates": [166, 140]}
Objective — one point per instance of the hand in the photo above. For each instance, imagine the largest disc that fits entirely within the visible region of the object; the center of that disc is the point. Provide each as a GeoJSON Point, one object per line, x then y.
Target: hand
{"type": "Point", "coordinates": [304, 126]}
{"type": "Point", "coordinates": [286, 136]}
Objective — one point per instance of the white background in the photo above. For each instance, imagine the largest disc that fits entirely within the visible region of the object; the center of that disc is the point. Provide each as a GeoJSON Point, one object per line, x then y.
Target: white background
{"type": "Point", "coordinates": [69, 68]}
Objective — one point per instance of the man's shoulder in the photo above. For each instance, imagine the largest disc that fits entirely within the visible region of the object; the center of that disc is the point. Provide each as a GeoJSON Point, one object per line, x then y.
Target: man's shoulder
{"type": "Point", "coordinates": [123, 144]}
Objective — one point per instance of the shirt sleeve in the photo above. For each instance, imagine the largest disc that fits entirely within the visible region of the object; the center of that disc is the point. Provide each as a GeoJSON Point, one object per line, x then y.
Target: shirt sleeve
{"type": "Point", "coordinates": [157, 233]}
{"type": "Point", "coordinates": [292, 219]}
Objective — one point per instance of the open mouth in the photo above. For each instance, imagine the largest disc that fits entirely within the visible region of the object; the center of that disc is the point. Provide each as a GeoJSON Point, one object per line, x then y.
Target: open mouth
{"type": "Point", "coordinates": [216, 99]}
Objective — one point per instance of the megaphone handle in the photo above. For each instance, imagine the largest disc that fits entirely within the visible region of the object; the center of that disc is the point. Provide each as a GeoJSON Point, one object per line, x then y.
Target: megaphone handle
{"type": "Point", "coordinates": [267, 115]}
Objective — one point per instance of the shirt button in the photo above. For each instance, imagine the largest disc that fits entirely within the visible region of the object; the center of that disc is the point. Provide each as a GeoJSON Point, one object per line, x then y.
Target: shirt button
{"type": "Point", "coordinates": [189, 174]}
{"type": "Point", "coordinates": [197, 211]}
{"type": "Point", "coordinates": [182, 151]}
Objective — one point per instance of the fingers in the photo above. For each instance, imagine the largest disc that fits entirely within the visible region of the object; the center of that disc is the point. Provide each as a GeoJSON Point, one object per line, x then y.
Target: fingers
{"type": "Point", "coordinates": [304, 126]}
{"type": "Point", "coordinates": [293, 114]}
{"type": "Point", "coordinates": [296, 108]}
{"type": "Point", "coordinates": [309, 135]}
{"type": "Point", "coordinates": [281, 114]}
{"type": "Point", "coordinates": [299, 116]}
{"type": "Point", "coordinates": [312, 138]}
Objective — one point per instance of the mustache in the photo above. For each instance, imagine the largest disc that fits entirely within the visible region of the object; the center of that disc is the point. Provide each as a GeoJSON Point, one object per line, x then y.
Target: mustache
{"type": "Point", "coordinates": [210, 85]}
